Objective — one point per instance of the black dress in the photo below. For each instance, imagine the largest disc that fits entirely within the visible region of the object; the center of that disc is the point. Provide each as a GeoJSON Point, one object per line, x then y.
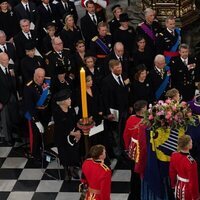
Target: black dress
{"type": "Point", "coordinates": [146, 57]}
{"type": "Point", "coordinates": [70, 38]}
{"type": "Point", "coordinates": [140, 91]}
{"type": "Point", "coordinates": [8, 24]}
{"type": "Point", "coordinates": [65, 122]}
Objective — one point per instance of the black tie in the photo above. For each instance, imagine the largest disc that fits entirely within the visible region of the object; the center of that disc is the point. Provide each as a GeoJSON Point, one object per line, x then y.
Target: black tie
{"type": "Point", "coordinates": [94, 20]}
{"type": "Point", "coordinates": [120, 59]}
{"type": "Point", "coordinates": [48, 8]}
{"type": "Point", "coordinates": [65, 6]}
{"type": "Point", "coordinates": [29, 36]}
{"type": "Point", "coordinates": [60, 54]}
{"type": "Point", "coordinates": [120, 82]}
{"type": "Point", "coordinates": [7, 72]}
{"type": "Point", "coordinates": [27, 10]}
{"type": "Point", "coordinates": [4, 48]}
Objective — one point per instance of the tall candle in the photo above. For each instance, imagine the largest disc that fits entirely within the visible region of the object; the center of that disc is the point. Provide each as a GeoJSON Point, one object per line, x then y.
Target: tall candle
{"type": "Point", "coordinates": [83, 93]}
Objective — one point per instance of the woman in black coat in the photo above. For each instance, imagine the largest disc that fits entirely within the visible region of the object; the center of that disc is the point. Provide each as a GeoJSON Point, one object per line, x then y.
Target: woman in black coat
{"type": "Point", "coordinates": [67, 135]}
{"type": "Point", "coordinates": [70, 33]}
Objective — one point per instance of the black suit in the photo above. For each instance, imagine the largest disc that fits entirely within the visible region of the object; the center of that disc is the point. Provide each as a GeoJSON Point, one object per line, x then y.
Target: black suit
{"type": "Point", "coordinates": [9, 113]}
{"type": "Point", "coordinates": [114, 96]}
{"type": "Point", "coordinates": [45, 17]}
{"type": "Point", "coordinates": [89, 28]}
{"type": "Point", "coordinates": [10, 51]}
{"type": "Point", "coordinates": [21, 13]}
{"type": "Point", "coordinates": [183, 79]}
{"type": "Point", "coordinates": [20, 40]}
{"type": "Point", "coordinates": [71, 9]}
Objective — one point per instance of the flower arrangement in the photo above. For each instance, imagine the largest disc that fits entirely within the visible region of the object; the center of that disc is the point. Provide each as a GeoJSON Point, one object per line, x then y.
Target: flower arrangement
{"type": "Point", "coordinates": [169, 114]}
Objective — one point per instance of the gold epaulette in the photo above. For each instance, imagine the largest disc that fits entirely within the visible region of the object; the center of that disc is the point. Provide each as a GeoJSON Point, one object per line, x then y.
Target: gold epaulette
{"type": "Point", "coordinates": [29, 83]}
{"type": "Point", "coordinates": [47, 77]}
{"type": "Point", "coordinates": [105, 167]}
{"type": "Point", "coordinates": [140, 24]}
{"type": "Point", "coordinates": [155, 20]}
{"type": "Point", "coordinates": [94, 38]}
{"type": "Point", "coordinates": [48, 53]}
{"type": "Point", "coordinates": [161, 34]}
{"type": "Point", "coordinates": [108, 33]}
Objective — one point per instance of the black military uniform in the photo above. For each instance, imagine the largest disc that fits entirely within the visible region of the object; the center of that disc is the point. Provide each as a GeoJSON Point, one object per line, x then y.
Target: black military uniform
{"type": "Point", "coordinates": [183, 78]}
{"type": "Point", "coordinates": [55, 59]}
{"type": "Point", "coordinates": [166, 41]}
{"type": "Point", "coordinates": [35, 113]}
{"type": "Point", "coordinates": [99, 52]}
{"type": "Point", "coordinates": [68, 7]}
{"type": "Point", "coordinates": [155, 28]}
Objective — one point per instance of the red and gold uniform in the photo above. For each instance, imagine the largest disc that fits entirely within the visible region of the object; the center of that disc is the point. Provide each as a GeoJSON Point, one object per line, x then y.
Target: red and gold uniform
{"type": "Point", "coordinates": [98, 178]}
{"type": "Point", "coordinates": [134, 134]}
{"type": "Point", "coordinates": [184, 176]}
{"type": "Point", "coordinates": [97, 6]}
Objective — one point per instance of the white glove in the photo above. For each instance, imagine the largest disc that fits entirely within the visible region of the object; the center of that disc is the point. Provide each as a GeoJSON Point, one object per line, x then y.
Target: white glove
{"type": "Point", "coordinates": [40, 127]}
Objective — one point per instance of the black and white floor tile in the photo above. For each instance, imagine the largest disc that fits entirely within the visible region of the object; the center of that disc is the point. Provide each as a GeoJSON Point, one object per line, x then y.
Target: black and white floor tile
{"type": "Point", "coordinates": [24, 179]}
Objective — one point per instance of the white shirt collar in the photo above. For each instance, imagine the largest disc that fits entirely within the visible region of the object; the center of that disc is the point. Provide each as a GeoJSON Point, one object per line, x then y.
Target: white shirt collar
{"type": "Point", "coordinates": [24, 4]}
{"type": "Point", "coordinates": [158, 69]}
{"type": "Point", "coordinates": [3, 69]}
{"type": "Point", "coordinates": [116, 77]}
{"type": "Point", "coordinates": [2, 46]}
{"type": "Point", "coordinates": [26, 34]}
{"type": "Point", "coordinates": [91, 15]}
{"type": "Point", "coordinates": [184, 60]}
{"type": "Point", "coordinates": [170, 31]}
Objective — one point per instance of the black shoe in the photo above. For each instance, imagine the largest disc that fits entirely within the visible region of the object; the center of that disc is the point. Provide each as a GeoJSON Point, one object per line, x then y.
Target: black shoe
{"type": "Point", "coordinates": [74, 172]}
{"type": "Point", "coordinates": [67, 174]}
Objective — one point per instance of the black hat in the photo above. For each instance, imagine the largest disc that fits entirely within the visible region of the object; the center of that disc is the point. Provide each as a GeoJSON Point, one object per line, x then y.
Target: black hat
{"type": "Point", "coordinates": [124, 17]}
{"type": "Point", "coordinates": [62, 95]}
{"type": "Point", "coordinates": [116, 6]}
{"type": "Point", "coordinates": [29, 46]}
{"type": "Point", "coordinates": [89, 53]}
{"type": "Point", "coordinates": [50, 24]}
{"type": "Point", "coordinates": [1, 1]}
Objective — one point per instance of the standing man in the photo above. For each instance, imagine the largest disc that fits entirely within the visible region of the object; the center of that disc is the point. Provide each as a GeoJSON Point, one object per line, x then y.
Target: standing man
{"type": "Point", "coordinates": [101, 45]}
{"type": "Point", "coordinates": [159, 77]}
{"type": "Point", "coordinates": [36, 109]}
{"type": "Point", "coordinates": [169, 39]}
{"type": "Point", "coordinates": [89, 22]}
{"type": "Point", "coordinates": [26, 35]}
{"type": "Point", "coordinates": [26, 10]}
{"type": "Point", "coordinates": [115, 101]}
{"type": "Point", "coordinates": [185, 72]}
{"type": "Point", "coordinates": [149, 29]}
{"type": "Point", "coordinates": [8, 99]}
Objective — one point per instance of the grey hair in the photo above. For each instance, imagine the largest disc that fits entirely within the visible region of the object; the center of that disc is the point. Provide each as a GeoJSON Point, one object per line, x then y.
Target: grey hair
{"type": "Point", "coordinates": [147, 11]}
{"type": "Point", "coordinates": [159, 57]}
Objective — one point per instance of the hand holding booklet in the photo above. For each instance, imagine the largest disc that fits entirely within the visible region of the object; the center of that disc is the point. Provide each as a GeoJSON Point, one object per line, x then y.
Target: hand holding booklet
{"type": "Point", "coordinates": [115, 114]}
{"type": "Point", "coordinates": [96, 129]}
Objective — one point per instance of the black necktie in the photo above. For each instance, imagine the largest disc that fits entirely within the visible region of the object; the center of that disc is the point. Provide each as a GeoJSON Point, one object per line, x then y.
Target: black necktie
{"type": "Point", "coordinates": [120, 59]}
{"type": "Point", "coordinates": [7, 72]}
{"type": "Point", "coordinates": [120, 82]}
{"type": "Point", "coordinates": [94, 20]}
{"type": "Point", "coordinates": [48, 9]}
{"type": "Point", "coordinates": [27, 10]}
{"type": "Point", "coordinates": [65, 6]}
{"type": "Point", "coordinates": [4, 48]}
{"type": "Point", "coordinates": [60, 54]}
{"type": "Point", "coordinates": [29, 36]}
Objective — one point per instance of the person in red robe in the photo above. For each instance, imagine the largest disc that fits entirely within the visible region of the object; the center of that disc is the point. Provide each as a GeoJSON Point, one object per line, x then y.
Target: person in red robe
{"type": "Point", "coordinates": [183, 171]}
{"type": "Point", "coordinates": [135, 145]}
{"type": "Point", "coordinates": [96, 175]}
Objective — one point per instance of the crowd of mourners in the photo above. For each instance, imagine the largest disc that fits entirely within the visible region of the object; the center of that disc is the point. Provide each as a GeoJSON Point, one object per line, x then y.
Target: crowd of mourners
{"type": "Point", "coordinates": [42, 50]}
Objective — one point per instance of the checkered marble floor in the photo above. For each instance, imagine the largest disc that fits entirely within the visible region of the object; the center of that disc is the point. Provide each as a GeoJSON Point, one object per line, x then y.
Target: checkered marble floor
{"type": "Point", "coordinates": [23, 179]}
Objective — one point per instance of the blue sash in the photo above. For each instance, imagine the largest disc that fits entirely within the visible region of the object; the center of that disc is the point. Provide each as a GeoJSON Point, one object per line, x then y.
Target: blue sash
{"type": "Point", "coordinates": [164, 84]}
{"type": "Point", "coordinates": [102, 46]}
{"type": "Point", "coordinates": [41, 100]}
{"type": "Point", "coordinates": [175, 47]}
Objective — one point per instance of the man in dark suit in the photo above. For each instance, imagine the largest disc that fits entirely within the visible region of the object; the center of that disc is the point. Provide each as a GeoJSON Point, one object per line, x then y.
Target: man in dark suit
{"type": "Point", "coordinates": [119, 54]}
{"type": "Point", "coordinates": [89, 22]}
{"type": "Point", "coordinates": [47, 12]}
{"type": "Point", "coordinates": [26, 10]}
{"type": "Point", "coordinates": [185, 72]}
{"type": "Point", "coordinates": [24, 36]}
{"type": "Point", "coordinates": [66, 6]}
{"type": "Point", "coordinates": [115, 100]}
{"type": "Point", "coordinates": [7, 47]}
{"type": "Point", "coordinates": [159, 78]}
{"type": "Point", "coordinates": [8, 100]}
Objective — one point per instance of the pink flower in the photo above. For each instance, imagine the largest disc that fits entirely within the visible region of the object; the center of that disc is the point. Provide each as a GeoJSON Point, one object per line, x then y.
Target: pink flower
{"type": "Point", "coordinates": [174, 108]}
{"type": "Point", "coordinates": [167, 116]}
{"type": "Point", "coordinates": [169, 113]}
{"type": "Point", "coordinates": [150, 117]}
{"type": "Point", "coordinates": [168, 101]}
{"type": "Point", "coordinates": [176, 117]}
{"type": "Point", "coordinates": [160, 102]}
